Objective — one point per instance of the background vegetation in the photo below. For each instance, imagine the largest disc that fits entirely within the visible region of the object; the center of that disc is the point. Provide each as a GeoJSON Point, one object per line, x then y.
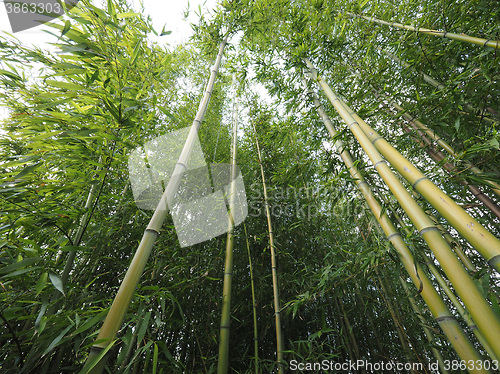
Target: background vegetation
{"type": "Point", "coordinates": [69, 225]}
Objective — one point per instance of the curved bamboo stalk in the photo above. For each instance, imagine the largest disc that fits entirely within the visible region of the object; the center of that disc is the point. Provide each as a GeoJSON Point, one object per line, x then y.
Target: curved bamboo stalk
{"type": "Point", "coordinates": [437, 307]}
{"type": "Point", "coordinates": [486, 319]}
{"type": "Point", "coordinates": [254, 304]}
{"type": "Point", "coordinates": [442, 34]}
{"type": "Point", "coordinates": [95, 363]}
{"type": "Point", "coordinates": [274, 270]}
{"type": "Point", "coordinates": [223, 360]}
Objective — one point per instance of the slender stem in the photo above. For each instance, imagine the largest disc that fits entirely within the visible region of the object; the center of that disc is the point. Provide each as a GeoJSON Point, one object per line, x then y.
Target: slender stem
{"type": "Point", "coordinates": [127, 288]}
{"type": "Point", "coordinates": [254, 304]}
{"type": "Point", "coordinates": [442, 34]}
{"type": "Point", "coordinates": [279, 335]}
{"type": "Point", "coordinates": [223, 361]}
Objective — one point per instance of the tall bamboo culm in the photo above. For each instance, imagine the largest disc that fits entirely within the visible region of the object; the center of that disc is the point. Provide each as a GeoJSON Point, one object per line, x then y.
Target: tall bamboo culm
{"type": "Point", "coordinates": [442, 34]}
{"type": "Point", "coordinates": [254, 305]}
{"type": "Point", "coordinates": [223, 361]}
{"type": "Point", "coordinates": [486, 319]}
{"type": "Point", "coordinates": [274, 270]}
{"type": "Point", "coordinates": [446, 321]}
{"type": "Point", "coordinates": [447, 290]}
{"type": "Point", "coordinates": [96, 360]}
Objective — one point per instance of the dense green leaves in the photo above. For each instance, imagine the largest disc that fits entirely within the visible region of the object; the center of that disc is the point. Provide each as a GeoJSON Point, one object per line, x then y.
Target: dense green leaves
{"type": "Point", "coordinates": [66, 202]}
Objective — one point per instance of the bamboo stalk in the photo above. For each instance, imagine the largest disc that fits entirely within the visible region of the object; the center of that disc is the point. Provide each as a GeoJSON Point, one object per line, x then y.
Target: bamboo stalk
{"type": "Point", "coordinates": [442, 34]}
{"type": "Point", "coordinates": [486, 319]}
{"type": "Point", "coordinates": [428, 333]}
{"type": "Point", "coordinates": [439, 158]}
{"type": "Point", "coordinates": [127, 288]}
{"type": "Point", "coordinates": [274, 270]}
{"type": "Point", "coordinates": [254, 305]}
{"type": "Point", "coordinates": [437, 307]}
{"type": "Point", "coordinates": [444, 285]}
{"type": "Point", "coordinates": [223, 360]}
{"type": "Point", "coordinates": [480, 238]}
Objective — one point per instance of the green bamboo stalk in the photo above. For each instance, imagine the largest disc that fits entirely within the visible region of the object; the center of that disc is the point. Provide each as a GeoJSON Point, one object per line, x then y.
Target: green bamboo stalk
{"type": "Point", "coordinates": [428, 333]}
{"type": "Point", "coordinates": [95, 364]}
{"type": "Point", "coordinates": [223, 361]}
{"type": "Point", "coordinates": [486, 319]}
{"type": "Point", "coordinates": [254, 305]}
{"type": "Point", "coordinates": [274, 270]}
{"type": "Point", "coordinates": [437, 307]}
{"type": "Point", "coordinates": [442, 34]}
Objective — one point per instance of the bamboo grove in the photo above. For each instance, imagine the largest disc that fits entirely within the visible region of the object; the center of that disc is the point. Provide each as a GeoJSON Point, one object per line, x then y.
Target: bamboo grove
{"type": "Point", "coordinates": [367, 136]}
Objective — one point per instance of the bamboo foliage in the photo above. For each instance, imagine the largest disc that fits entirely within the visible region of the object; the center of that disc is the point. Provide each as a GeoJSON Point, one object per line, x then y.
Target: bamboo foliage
{"type": "Point", "coordinates": [486, 319]}
{"type": "Point", "coordinates": [274, 269]}
{"type": "Point", "coordinates": [97, 360]}
{"type": "Point", "coordinates": [434, 83]}
{"type": "Point", "coordinates": [444, 318]}
{"type": "Point", "coordinates": [442, 34]}
{"type": "Point", "coordinates": [223, 359]}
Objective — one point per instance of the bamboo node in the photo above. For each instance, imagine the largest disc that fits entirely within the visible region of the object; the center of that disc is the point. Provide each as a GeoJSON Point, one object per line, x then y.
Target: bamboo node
{"type": "Point", "coordinates": [445, 318]}
{"type": "Point", "coordinates": [393, 235]}
{"type": "Point", "coordinates": [418, 181]}
{"type": "Point", "coordinates": [425, 229]}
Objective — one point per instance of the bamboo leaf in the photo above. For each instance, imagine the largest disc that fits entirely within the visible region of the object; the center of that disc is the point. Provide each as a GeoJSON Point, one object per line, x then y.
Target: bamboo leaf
{"type": "Point", "coordinates": [65, 85]}
{"type": "Point", "coordinates": [57, 282]}
{"type": "Point", "coordinates": [56, 341]}
{"type": "Point", "coordinates": [127, 15]}
{"type": "Point", "coordinates": [40, 284]}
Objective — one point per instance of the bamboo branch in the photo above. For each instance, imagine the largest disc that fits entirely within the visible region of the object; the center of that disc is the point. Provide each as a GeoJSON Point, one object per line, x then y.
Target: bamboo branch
{"type": "Point", "coordinates": [442, 34]}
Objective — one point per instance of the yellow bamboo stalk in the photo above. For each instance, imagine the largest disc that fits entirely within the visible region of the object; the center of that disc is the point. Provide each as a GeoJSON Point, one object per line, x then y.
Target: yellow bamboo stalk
{"type": "Point", "coordinates": [480, 238]}
{"type": "Point", "coordinates": [274, 270]}
{"type": "Point", "coordinates": [447, 290]}
{"type": "Point", "coordinates": [437, 307]}
{"type": "Point", "coordinates": [442, 34]}
{"type": "Point", "coordinates": [95, 364]}
{"type": "Point", "coordinates": [223, 361]}
{"type": "Point", "coordinates": [486, 319]}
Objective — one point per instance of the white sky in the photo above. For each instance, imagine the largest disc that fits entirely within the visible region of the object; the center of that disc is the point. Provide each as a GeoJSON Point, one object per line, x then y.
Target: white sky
{"type": "Point", "coordinates": [169, 12]}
